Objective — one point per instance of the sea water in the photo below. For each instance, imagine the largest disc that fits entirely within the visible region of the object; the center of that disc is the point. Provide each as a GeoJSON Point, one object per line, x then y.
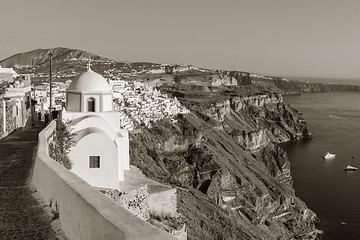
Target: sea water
{"type": "Point", "coordinates": [332, 193]}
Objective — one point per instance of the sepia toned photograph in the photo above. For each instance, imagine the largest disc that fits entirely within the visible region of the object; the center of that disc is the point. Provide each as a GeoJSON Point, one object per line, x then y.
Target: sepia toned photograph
{"type": "Point", "coordinates": [163, 119]}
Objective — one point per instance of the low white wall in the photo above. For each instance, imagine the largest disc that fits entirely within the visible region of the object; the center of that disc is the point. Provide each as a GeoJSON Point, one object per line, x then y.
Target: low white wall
{"type": "Point", "coordinates": [85, 213]}
{"type": "Point", "coordinates": [163, 203]}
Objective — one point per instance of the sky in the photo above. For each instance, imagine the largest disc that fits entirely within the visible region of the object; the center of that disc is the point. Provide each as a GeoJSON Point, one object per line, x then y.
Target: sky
{"type": "Point", "coordinates": [291, 38]}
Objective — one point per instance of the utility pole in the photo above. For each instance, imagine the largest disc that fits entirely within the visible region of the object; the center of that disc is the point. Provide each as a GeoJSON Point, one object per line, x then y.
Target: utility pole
{"type": "Point", "coordinates": [50, 57]}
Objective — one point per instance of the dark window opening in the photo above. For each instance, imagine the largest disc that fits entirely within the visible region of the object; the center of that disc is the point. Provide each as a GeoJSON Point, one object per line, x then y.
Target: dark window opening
{"type": "Point", "coordinates": [91, 105]}
{"type": "Point", "coordinates": [94, 161]}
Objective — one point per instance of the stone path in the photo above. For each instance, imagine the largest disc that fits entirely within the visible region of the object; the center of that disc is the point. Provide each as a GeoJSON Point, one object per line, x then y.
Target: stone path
{"type": "Point", "coordinates": [21, 215]}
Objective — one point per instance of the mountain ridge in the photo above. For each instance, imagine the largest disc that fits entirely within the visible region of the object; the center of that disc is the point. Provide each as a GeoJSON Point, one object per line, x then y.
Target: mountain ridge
{"type": "Point", "coordinates": [40, 56]}
{"type": "Point", "coordinates": [37, 62]}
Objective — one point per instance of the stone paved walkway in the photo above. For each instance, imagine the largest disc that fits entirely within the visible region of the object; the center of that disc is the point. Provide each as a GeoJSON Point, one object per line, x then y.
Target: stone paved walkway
{"type": "Point", "coordinates": [21, 215]}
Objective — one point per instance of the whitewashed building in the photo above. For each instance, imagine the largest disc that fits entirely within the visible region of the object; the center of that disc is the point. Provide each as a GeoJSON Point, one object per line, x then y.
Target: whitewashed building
{"type": "Point", "coordinates": [101, 153]}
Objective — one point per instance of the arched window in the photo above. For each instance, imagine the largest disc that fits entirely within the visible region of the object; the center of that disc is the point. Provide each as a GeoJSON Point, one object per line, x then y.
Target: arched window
{"type": "Point", "coordinates": [91, 105]}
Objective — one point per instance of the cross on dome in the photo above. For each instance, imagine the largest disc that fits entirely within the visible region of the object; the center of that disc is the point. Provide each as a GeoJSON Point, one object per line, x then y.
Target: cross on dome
{"type": "Point", "coordinates": [89, 65]}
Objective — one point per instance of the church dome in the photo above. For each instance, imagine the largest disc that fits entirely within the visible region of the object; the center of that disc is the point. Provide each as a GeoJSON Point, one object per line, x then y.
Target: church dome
{"type": "Point", "coordinates": [90, 81]}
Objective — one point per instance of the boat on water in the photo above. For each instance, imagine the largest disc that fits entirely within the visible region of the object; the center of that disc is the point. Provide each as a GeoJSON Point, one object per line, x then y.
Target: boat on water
{"type": "Point", "coordinates": [329, 155]}
{"type": "Point", "coordinates": [350, 168]}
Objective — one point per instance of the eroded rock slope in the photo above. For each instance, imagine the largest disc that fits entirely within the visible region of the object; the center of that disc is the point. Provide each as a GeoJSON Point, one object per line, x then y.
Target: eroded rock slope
{"type": "Point", "coordinates": [234, 180]}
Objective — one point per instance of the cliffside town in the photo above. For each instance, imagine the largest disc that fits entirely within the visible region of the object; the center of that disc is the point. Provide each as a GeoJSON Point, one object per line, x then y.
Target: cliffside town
{"type": "Point", "coordinates": [212, 135]}
{"type": "Point", "coordinates": [143, 104]}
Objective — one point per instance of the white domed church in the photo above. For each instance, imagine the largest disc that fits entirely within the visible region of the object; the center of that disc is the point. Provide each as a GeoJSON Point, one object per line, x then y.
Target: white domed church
{"type": "Point", "coordinates": [89, 93]}
{"type": "Point", "coordinates": [101, 153]}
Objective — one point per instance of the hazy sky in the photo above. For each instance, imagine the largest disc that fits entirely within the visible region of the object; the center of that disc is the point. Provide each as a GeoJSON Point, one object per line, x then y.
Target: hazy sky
{"type": "Point", "coordinates": [307, 38]}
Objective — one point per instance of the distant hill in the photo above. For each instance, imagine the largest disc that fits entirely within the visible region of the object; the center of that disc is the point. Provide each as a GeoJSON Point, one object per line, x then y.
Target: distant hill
{"type": "Point", "coordinates": [40, 56]}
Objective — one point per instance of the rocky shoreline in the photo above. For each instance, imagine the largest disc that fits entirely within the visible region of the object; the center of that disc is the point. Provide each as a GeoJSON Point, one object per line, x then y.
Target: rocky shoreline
{"type": "Point", "coordinates": [234, 180]}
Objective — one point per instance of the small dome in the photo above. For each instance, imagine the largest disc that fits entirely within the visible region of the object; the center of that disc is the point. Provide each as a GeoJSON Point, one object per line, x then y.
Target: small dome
{"type": "Point", "coordinates": [90, 81]}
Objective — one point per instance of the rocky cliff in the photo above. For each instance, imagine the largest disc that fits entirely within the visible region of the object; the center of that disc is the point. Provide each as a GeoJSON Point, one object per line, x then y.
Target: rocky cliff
{"type": "Point", "coordinates": [233, 180]}
{"type": "Point", "coordinates": [246, 83]}
{"type": "Point", "coordinates": [289, 86]}
{"type": "Point", "coordinates": [299, 87]}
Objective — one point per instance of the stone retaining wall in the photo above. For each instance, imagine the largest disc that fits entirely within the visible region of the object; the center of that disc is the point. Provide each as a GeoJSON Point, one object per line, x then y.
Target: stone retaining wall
{"type": "Point", "coordinates": [85, 213]}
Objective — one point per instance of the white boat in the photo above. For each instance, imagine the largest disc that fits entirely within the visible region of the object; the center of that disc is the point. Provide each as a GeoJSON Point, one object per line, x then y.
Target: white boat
{"type": "Point", "coordinates": [350, 168]}
{"type": "Point", "coordinates": [329, 155]}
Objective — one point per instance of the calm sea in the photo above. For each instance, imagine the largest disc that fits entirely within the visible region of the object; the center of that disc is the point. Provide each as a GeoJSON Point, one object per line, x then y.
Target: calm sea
{"type": "Point", "coordinates": [334, 119]}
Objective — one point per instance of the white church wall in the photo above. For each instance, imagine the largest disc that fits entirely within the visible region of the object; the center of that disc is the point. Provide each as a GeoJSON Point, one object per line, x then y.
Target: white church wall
{"type": "Point", "coordinates": [94, 121]}
{"type": "Point", "coordinates": [113, 118]}
{"type": "Point", "coordinates": [124, 150]}
{"type": "Point", "coordinates": [105, 176]}
{"type": "Point", "coordinates": [107, 102]}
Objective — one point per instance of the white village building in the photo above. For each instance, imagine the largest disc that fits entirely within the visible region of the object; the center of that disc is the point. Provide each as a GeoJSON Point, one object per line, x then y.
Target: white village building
{"type": "Point", "coordinates": [101, 153]}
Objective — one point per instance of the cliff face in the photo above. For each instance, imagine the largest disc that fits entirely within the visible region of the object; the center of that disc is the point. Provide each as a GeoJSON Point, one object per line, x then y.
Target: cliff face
{"type": "Point", "coordinates": [233, 180]}
{"type": "Point", "coordinates": [299, 87]}
{"type": "Point", "coordinates": [250, 83]}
